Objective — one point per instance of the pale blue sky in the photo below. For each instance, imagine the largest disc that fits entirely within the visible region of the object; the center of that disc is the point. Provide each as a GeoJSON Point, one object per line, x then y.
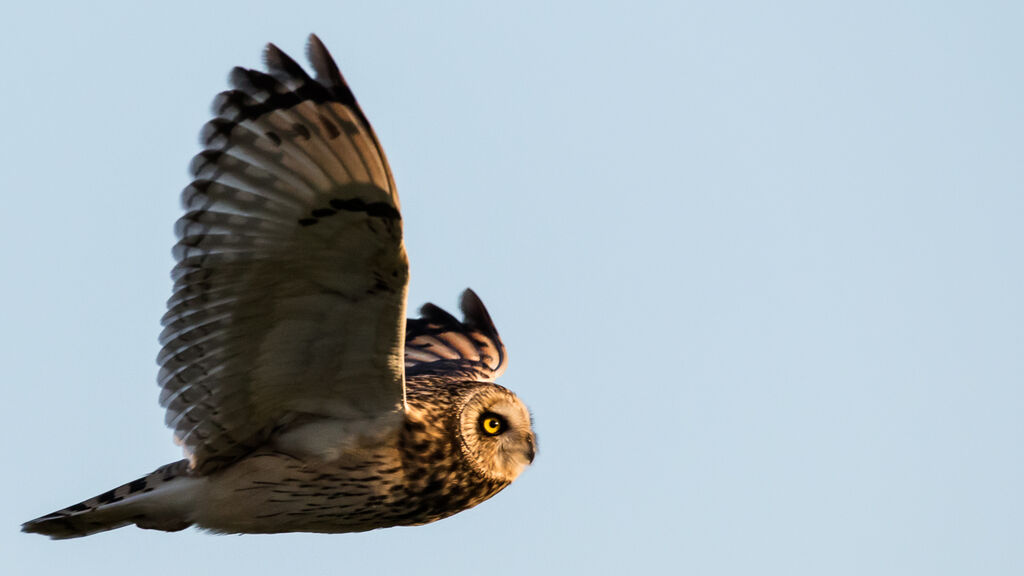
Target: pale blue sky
{"type": "Point", "coordinates": [758, 266]}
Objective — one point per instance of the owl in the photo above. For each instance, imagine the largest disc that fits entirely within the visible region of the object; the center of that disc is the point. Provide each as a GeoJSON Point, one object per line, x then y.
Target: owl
{"type": "Point", "coordinates": [302, 397]}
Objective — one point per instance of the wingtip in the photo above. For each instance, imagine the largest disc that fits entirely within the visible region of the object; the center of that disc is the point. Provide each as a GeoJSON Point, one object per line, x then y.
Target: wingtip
{"type": "Point", "coordinates": [327, 71]}
{"type": "Point", "coordinates": [272, 56]}
{"type": "Point", "coordinates": [270, 49]}
{"type": "Point", "coordinates": [469, 299]}
{"type": "Point", "coordinates": [474, 312]}
{"type": "Point", "coordinates": [434, 313]}
{"type": "Point", "coordinates": [54, 526]}
{"type": "Point", "coordinates": [281, 65]}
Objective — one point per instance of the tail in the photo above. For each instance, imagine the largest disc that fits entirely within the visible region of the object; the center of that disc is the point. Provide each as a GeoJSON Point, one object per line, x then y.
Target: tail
{"type": "Point", "coordinates": [159, 501]}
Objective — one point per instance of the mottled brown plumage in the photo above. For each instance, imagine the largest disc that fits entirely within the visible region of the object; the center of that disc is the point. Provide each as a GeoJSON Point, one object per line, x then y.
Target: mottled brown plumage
{"type": "Point", "coordinates": [303, 398]}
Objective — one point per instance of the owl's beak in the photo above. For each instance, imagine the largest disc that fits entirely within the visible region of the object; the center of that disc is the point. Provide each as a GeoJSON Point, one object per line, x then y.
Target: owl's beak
{"type": "Point", "coordinates": [531, 447]}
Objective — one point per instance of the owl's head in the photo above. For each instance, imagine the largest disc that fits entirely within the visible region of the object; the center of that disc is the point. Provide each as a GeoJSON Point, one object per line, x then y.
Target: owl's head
{"type": "Point", "coordinates": [495, 432]}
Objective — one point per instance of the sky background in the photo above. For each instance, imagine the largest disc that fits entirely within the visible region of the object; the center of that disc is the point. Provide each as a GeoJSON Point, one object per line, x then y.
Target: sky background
{"type": "Point", "coordinates": [758, 267]}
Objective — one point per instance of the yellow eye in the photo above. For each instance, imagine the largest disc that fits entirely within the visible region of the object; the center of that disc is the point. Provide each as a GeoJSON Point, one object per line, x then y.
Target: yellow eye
{"type": "Point", "coordinates": [492, 424]}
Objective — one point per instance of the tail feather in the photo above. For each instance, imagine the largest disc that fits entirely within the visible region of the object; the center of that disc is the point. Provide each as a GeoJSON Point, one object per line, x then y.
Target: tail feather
{"type": "Point", "coordinates": [149, 502]}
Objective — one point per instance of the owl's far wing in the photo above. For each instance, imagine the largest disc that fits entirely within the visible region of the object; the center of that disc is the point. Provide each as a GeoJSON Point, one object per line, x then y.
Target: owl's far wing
{"type": "Point", "coordinates": [438, 343]}
{"type": "Point", "coordinates": [290, 283]}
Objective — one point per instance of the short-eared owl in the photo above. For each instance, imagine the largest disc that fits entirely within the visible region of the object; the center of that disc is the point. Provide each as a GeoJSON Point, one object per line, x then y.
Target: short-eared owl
{"type": "Point", "coordinates": [303, 398]}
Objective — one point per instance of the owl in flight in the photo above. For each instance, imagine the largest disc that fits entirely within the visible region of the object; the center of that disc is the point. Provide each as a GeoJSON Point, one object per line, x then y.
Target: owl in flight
{"type": "Point", "coordinates": [303, 398]}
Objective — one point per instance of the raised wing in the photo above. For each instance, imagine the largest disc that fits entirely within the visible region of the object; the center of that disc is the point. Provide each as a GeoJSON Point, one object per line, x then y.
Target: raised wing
{"type": "Point", "coordinates": [289, 292]}
{"type": "Point", "coordinates": [438, 343]}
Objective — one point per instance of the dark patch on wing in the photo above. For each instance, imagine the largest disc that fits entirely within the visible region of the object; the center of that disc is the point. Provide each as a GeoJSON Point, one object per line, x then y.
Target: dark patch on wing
{"type": "Point", "coordinates": [108, 497]}
{"type": "Point", "coordinates": [279, 98]}
{"type": "Point", "coordinates": [302, 131]}
{"type": "Point", "coordinates": [218, 127]}
{"type": "Point", "coordinates": [373, 209]}
{"type": "Point", "coordinates": [332, 130]}
{"type": "Point", "coordinates": [136, 485]}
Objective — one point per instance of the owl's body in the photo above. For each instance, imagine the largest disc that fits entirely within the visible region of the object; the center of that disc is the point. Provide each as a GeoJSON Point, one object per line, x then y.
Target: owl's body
{"type": "Point", "coordinates": [304, 399]}
{"type": "Point", "coordinates": [412, 474]}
